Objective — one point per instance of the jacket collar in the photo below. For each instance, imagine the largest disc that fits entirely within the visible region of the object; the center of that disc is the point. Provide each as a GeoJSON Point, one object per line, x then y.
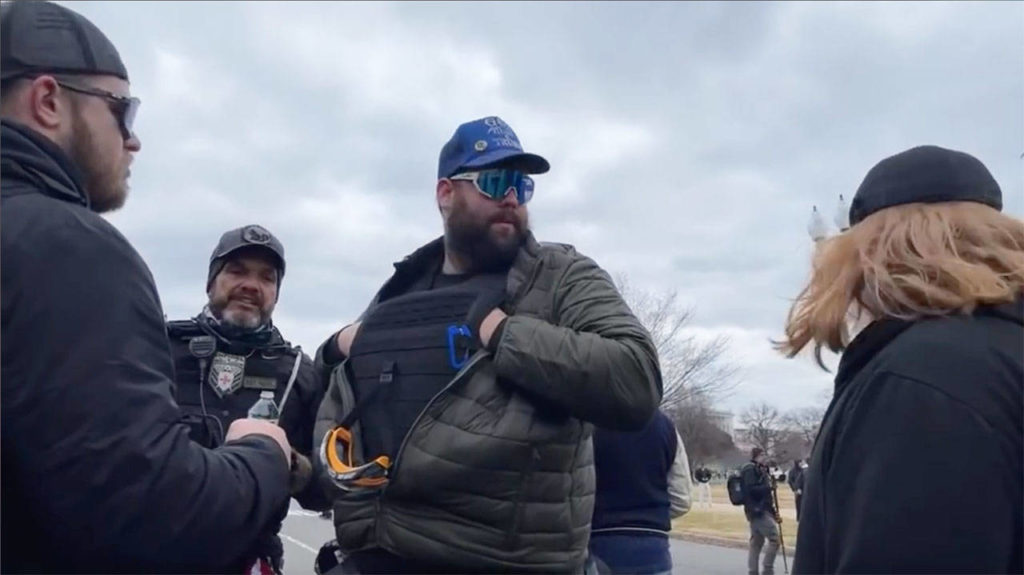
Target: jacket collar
{"type": "Point", "coordinates": [29, 156]}
{"type": "Point", "coordinates": [430, 256]}
{"type": "Point", "coordinates": [880, 333]}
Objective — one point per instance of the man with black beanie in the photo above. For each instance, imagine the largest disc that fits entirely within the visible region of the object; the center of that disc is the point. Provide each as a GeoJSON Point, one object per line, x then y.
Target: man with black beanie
{"type": "Point", "coordinates": [231, 352]}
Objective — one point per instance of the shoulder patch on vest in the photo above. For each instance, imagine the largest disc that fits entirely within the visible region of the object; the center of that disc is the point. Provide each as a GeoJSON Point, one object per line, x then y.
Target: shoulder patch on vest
{"type": "Point", "coordinates": [226, 373]}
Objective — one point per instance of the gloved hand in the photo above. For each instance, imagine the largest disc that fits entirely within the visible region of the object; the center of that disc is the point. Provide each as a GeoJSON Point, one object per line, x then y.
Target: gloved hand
{"type": "Point", "coordinates": [329, 557]}
{"type": "Point", "coordinates": [301, 473]}
{"type": "Point", "coordinates": [485, 303]}
{"type": "Point", "coordinates": [270, 548]}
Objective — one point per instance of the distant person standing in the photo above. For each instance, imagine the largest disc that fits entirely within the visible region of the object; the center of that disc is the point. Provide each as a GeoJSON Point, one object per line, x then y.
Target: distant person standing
{"type": "Point", "coordinates": [795, 480]}
{"type": "Point", "coordinates": [703, 476]}
{"type": "Point", "coordinates": [760, 510]}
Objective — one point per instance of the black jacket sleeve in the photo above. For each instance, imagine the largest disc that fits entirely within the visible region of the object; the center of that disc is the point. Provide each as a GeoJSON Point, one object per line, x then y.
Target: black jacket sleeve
{"type": "Point", "coordinates": [899, 502]}
{"type": "Point", "coordinates": [311, 388]}
{"type": "Point", "coordinates": [328, 356]}
{"type": "Point", "coordinates": [306, 394]}
{"type": "Point", "coordinates": [90, 428]}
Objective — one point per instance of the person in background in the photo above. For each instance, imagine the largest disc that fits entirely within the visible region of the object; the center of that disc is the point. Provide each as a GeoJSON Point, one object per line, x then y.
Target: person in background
{"type": "Point", "coordinates": [795, 480]}
{"type": "Point", "coordinates": [759, 508]}
{"type": "Point", "coordinates": [703, 475]}
{"type": "Point", "coordinates": [643, 483]}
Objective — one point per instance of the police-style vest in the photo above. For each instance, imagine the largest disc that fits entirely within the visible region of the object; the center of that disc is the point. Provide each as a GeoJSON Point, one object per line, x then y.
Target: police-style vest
{"type": "Point", "coordinates": [407, 350]}
{"type": "Point", "coordinates": [214, 391]}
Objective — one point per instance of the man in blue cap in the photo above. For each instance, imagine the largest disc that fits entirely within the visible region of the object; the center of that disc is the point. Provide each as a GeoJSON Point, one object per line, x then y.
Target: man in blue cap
{"type": "Point", "coordinates": [456, 432]}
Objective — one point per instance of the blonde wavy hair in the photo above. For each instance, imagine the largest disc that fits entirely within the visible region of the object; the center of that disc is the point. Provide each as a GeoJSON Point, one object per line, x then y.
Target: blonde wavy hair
{"type": "Point", "coordinates": [909, 261]}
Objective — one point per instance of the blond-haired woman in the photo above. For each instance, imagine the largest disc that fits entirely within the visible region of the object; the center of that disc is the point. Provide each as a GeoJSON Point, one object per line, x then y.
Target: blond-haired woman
{"type": "Point", "coordinates": [918, 465]}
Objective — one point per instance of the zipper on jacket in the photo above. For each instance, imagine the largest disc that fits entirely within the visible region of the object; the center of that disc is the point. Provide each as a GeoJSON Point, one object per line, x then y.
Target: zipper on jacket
{"type": "Point", "coordinates": [512, 537]}
{"type": "Point", "coordinates": [458, 376]}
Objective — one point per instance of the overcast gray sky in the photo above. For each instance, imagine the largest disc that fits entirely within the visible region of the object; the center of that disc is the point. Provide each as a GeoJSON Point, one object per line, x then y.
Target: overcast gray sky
{"type": "Point", "coordinates": [688, 141]}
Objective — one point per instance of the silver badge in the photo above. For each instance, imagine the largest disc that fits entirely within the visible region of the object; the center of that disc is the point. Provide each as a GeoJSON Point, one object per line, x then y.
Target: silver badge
{"type": "Point", "coordinates": [226, 373]}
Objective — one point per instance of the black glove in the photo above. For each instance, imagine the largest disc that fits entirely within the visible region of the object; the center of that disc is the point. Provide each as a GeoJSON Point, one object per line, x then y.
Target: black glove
{"type": "Point", "coordinates": [301, 473]}
{"type": "Point", "coordinates": [485, 302]}
{"type": "Point", "coordinates": [270, 547]}
{"type": "Point", "coordinates": [329, 557]}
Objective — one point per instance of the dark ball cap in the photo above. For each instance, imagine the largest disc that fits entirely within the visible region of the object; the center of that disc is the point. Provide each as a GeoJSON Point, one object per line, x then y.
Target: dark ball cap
{"type": "Point", "coordinates": [928, 174]}
{"type": "Point", "coordinates": [245, 237]}
{"type": "Point", "coordinates": [43, 37]}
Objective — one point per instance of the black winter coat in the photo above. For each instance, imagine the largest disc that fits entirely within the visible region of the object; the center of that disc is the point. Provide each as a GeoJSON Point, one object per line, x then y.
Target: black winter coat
{"type": "Point", "coordinates": [99, 474]}
{"type": "Point", "coordinates": [919, 463]}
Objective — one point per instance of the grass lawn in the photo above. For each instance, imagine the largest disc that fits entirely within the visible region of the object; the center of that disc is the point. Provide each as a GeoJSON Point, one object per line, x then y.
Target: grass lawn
{"type": "Point", "coordinates": [726, 525]}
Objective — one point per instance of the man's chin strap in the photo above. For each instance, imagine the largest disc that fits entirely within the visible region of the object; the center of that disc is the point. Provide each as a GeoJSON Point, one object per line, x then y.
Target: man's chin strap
{"type": "Point", "coordinates": [254, 337]}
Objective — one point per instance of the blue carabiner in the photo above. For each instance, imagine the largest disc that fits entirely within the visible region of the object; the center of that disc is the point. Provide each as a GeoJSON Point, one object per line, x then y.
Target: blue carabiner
{"type": "Point", "coordinates": [454, 331]}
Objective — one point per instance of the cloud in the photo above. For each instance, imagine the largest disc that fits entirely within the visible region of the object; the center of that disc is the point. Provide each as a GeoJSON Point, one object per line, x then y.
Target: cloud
{"type": "Point", "coordinates": [688, 141]}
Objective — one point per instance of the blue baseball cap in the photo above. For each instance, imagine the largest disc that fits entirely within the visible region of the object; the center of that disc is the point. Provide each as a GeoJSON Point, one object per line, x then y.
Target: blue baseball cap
{"type": "Point", "coordinates": [485, 143]}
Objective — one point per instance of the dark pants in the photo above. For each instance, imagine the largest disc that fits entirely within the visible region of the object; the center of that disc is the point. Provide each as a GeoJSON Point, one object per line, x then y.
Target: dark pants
{"type": "Point", "coordinates": [639, 553]}
{"type": "Point", "coordinates": [799, 497]}
{"type": "Point", "coordinates": [762, 528]}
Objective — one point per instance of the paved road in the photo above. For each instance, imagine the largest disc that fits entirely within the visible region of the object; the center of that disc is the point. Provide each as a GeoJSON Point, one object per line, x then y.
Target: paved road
{"type": "Point", "coordinates": [304, 532]}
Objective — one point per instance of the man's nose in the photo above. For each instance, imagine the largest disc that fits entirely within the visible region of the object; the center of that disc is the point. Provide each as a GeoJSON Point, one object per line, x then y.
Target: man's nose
{"type": "Point", "coordinates": [511, 198]}
{"type": "Point", "coordinates": [249, 283]}
{"type": "Point", "coordinates": [133, 144]}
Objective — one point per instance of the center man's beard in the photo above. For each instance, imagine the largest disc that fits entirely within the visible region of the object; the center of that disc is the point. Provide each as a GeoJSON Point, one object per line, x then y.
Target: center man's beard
{"type": "Point", "coordinates": [473, 241]}
{"type": "Point", "coordinates": [238, 319]}
{"type": "Point", "coordinates": [107, 191]}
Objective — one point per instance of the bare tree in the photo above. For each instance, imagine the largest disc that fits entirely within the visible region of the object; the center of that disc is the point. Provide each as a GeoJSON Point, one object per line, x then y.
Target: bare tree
{"type": "Point", "coordinates": [805, 421]}
{"type": "Point", "coordinates": [763, 426]}
{"type": "Point", "coordinates": [690, 367]}
{"type": "Point", "coordinates": [704, 440]}
{"type": "Point", "coordinates": [790, 446]}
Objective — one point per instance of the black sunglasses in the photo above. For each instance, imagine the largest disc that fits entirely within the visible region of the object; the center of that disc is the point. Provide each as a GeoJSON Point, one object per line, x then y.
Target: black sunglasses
{"type": "Point", "coordinates": [123, 107]}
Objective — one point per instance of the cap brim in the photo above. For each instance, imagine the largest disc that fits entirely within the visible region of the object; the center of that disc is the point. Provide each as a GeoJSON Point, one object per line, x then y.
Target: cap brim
{"type": "Point", "coordinates": [523, 161]}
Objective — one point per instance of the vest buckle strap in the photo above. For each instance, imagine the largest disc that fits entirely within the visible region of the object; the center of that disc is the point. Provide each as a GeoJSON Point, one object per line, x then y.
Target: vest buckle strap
{"type": "Point", "coordinates": [460, 340]}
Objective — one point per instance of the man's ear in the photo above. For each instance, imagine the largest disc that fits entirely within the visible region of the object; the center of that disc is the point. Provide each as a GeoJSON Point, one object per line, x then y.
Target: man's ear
{"type": "Point", "coordinates": [45, 104]}
{"type": "Point", "coordinates": [445, 196]}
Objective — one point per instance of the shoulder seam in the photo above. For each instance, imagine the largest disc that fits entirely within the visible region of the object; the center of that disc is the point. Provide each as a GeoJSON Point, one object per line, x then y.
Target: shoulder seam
{"type": "Point", "coordinates": [941, 392]}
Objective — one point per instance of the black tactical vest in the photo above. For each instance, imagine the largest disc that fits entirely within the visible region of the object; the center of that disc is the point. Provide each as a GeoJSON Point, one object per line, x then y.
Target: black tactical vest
{"type": "Point", "coordinates": [407, 350]}
{"type": "Point", "coordinates": [215, 391]}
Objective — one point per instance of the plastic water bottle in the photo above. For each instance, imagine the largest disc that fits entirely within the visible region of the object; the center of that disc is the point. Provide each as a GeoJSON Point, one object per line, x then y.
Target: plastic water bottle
{"type": "Point", "coordinates": [265, 408]}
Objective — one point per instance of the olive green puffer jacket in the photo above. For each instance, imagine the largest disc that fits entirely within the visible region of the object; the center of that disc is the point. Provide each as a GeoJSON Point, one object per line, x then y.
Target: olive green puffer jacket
{"type": "Point", "coordinates": [497, 473]}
